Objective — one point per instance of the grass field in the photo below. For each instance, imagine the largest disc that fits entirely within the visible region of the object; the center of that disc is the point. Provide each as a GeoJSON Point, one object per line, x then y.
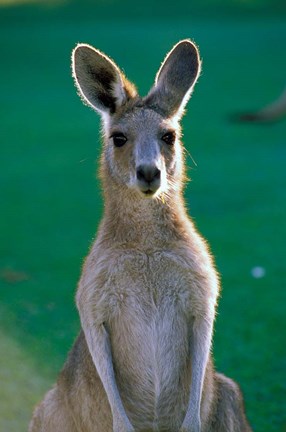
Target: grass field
{"type": "Point", "coordinates": [51, 203]}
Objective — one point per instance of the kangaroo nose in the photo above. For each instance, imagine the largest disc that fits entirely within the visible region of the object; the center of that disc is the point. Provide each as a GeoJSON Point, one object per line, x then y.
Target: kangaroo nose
{"type": "Point", "coordinates": [148, 173]}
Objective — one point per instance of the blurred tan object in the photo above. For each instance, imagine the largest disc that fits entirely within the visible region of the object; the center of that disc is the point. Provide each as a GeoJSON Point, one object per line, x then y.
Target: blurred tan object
{"type": "Point", "coordinates": [270, 113]}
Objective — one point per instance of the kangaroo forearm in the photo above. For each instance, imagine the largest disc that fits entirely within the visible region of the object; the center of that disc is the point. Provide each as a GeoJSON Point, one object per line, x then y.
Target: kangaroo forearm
{"type": "Point", "coordinates": [98, 342]}
{"type": "Point", "coordinates": [200, 346]}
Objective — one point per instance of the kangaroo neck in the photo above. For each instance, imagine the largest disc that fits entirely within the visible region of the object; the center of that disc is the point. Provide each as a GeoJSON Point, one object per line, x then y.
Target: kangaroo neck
{"type": "Point", "coordinates": [146, 222]}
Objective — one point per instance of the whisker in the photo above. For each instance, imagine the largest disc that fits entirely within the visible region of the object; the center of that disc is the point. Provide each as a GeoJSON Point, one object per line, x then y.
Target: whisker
{"type": "Point", "coordinates": [192, 159]}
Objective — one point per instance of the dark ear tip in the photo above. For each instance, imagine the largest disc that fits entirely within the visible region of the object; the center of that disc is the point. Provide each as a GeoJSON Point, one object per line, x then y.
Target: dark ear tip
{"type": "Point", "coordinates": [190, 52]}
{"type": "Point", "coordinates": [189, 47]}
{"type": "Point", "coordinates": [81, 49]}
{"type": "Point", "coordinates": [186, 42]}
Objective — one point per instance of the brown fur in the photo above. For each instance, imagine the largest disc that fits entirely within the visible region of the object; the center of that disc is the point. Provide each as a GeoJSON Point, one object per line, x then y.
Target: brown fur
{"type": "Point", "coordinates": [148, 290]}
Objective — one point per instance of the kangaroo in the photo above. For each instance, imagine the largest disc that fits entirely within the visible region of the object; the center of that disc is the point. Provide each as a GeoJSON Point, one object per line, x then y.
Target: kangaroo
{"type": "Point", "coordinates": [148, 291]}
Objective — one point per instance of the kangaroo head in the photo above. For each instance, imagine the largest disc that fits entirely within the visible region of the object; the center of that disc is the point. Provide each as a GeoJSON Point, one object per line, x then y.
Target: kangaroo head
{"type": "Point", "coordinates": [142, 149]}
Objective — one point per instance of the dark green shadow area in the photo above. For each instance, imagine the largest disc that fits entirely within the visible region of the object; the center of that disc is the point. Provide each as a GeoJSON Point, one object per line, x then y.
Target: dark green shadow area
{"type": "Point", "coordinates": [51, 202]}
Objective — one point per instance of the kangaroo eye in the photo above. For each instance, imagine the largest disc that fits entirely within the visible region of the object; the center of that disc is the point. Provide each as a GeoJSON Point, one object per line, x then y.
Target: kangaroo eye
{"type": "Point", "coordinates": [169, 138]}
{"type": "Point", "coordinates": [119, 139]}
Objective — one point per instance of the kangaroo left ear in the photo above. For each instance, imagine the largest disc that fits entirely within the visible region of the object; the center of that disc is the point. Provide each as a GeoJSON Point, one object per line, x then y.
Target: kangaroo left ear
{"type": "Point", "coordinates": [175, 79]}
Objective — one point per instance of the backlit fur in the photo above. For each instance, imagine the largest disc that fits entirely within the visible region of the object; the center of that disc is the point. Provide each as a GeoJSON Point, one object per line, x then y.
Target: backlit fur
{"type": "Point", "coordinates": [149, 289]}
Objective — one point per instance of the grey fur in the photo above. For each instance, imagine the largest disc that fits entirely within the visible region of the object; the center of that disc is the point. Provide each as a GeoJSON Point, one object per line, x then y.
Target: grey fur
{"type": "Point", "coordinates": [148, 290]}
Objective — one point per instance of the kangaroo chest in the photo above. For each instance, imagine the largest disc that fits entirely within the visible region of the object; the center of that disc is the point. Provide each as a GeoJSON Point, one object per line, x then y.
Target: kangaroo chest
{"type": "Point", "coordinates": [149, 303]}
{"type": "Point", "coordinates": [149, 284]}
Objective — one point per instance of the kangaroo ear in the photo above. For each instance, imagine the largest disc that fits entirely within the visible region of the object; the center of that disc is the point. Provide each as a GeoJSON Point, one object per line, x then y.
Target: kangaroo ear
{"type": "Point", "coordinates": [175, 79]}
{"type": "Point", "coordinates": [99, 81]}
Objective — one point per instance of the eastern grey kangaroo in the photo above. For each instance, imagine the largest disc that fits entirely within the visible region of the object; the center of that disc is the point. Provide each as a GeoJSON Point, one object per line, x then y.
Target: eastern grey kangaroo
{"type": "Point", "coordinates": [148, 290]}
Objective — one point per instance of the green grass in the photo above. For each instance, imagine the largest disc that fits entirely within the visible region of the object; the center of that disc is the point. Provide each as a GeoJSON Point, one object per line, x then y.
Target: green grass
{"type": "Point", "coordinates": [51, 203]}
{"type": "Point", "coordinates": [22, 384]}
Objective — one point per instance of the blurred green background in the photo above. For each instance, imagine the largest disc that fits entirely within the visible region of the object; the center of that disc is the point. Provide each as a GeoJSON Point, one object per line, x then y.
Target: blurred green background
{"type": "Point", "coordinates": [50, 197]}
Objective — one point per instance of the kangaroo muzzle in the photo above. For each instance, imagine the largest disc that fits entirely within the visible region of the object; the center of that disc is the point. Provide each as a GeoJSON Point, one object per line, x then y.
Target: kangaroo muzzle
{"type": "Point", "coordinates": [148, 178]}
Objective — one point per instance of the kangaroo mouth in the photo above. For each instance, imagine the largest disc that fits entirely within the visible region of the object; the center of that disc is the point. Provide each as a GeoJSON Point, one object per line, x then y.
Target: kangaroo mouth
{"type": "Point", "coordinates": [148, 192]}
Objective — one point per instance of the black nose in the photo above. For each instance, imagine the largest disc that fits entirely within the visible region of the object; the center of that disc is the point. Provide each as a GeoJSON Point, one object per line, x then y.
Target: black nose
{"type": "Point", "coordinates": [148, 173]}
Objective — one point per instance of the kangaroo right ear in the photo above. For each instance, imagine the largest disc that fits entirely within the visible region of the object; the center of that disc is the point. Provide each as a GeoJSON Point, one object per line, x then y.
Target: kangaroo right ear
{"type": "Point", "coordinates": [175, 79]}
{"type": "Point", "coordinates": [99, 81]}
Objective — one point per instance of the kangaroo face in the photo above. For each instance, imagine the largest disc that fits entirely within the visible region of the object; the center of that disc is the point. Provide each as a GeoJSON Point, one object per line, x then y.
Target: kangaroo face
{"type": "Point", "coordinates": [143, 151]}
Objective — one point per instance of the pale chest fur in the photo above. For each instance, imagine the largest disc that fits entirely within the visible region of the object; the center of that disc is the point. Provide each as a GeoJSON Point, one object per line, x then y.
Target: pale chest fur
{"type": "Point", "coordinates": [125, 281]}
{"type": "Point", "coordinates": [147, 284]}
{"type": "Point", "coordinates": [147, 302]}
